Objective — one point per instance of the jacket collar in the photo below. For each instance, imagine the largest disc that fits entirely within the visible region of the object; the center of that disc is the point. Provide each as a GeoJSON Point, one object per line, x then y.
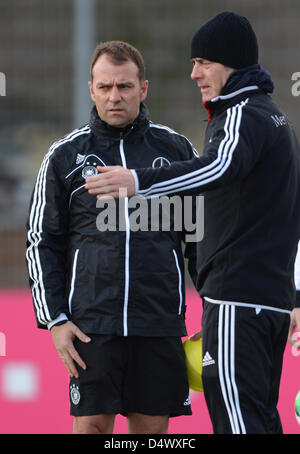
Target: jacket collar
{"type": "Point", "coordinates": [103, 129]}
{"type": "Point", "coordinates": [241, 83]}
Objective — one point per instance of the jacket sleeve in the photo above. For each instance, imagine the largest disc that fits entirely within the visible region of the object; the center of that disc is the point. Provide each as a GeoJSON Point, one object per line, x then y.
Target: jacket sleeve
{"type": "Point", "coordinates": [192, 232]}
{"type": "Point", "coordinates": [236, 146]}
{"type": "Point", "coordinates": [46, 244]}
{"type": "Point", "coordinates": [297, 277]}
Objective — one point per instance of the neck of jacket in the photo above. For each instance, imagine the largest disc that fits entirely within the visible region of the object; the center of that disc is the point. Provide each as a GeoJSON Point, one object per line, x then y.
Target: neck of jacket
{"type": "Point", "coordinates": [240, 84]}
{"type": "Point", "coordinates": [103, 129]}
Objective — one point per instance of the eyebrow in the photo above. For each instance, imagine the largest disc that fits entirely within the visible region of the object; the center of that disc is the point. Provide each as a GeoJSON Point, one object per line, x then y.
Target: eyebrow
{"type": "Point", "coordinates": [200, 60]}
{"type": "Point", "coordinates": [109, 84]}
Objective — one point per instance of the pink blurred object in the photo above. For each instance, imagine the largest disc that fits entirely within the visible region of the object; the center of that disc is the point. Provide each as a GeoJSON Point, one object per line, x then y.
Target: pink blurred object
{"type": "Point", "coordinates": [34, 383]}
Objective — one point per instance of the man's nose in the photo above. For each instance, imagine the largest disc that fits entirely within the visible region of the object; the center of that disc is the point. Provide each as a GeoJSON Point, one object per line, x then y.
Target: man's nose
{"type": "Point", "coordinates": [115, 94]}
{"type": "Point", "coordinates": [196, 72]}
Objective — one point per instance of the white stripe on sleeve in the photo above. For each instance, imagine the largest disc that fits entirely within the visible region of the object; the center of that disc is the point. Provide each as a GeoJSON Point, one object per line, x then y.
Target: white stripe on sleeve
{"type": "Point", "coordinates": [212, 171]}
{"type": "Point", "coordinates": [36, 218]}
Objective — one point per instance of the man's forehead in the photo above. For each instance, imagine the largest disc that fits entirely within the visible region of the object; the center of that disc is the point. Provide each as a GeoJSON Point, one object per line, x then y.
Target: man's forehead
{"type": "Point", "coordinates": [105, 67]}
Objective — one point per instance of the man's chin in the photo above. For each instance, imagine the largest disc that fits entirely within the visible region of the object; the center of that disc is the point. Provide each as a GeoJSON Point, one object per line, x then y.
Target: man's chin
{"type": "Point", "coordinates": [208, 98]}
{"type": "Point", "coordinates": [117, 123]}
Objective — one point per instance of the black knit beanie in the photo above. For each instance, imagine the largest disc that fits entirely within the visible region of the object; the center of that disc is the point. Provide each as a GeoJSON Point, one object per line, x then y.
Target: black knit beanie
{"type": "Point", "coordinates": [227, 38]}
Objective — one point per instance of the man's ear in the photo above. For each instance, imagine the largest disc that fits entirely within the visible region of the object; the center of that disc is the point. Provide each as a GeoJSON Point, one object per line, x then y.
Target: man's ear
{"type": "Point", "coordinates": [144, 90]}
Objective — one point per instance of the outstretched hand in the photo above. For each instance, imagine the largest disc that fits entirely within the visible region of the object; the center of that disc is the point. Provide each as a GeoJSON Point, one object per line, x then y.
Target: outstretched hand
{"type": "Point", "coordinates": [111, 181]}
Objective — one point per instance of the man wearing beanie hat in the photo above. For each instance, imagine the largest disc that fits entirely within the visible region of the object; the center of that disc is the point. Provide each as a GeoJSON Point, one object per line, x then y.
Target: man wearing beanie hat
{"type": "Point", "coordinates": [228, 39]}
{"type": "Point", "coordinates": [249, 173]}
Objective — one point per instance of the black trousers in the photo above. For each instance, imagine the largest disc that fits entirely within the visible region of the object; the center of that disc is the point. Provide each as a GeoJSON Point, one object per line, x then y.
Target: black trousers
{"type": "Point", "coordinates": [242, 362]}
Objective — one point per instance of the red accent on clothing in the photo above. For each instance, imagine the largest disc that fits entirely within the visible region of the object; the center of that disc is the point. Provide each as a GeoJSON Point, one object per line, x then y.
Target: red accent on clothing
{"type": "Point", "coordinates": [209, 111]}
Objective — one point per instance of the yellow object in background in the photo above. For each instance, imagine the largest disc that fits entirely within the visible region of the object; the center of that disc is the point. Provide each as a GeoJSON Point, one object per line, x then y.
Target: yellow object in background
{"type": "Point", "coordinates": [193, 359]}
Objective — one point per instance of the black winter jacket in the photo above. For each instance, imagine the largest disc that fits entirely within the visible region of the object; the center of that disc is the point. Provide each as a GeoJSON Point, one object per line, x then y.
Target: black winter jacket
{"type": "Point", "coordinates": [250, 175]}
{"type": "Point", "coordinates": [118, 281]}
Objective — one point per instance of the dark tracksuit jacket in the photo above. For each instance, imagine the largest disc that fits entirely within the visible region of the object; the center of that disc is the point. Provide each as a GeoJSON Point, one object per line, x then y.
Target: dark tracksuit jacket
{"type": "Point", "coordinates": [250, 176]}
{"type": "Point", "coordinates": [116, 281]}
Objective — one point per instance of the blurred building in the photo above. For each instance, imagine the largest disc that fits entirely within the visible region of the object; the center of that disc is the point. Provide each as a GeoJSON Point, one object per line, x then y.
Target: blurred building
{"type": "Point", "coordinates": [44, 65]}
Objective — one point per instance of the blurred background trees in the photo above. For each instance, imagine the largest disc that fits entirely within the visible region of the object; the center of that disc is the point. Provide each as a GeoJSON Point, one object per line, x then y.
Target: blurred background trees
{"type": "Point", "coordinates": [45, 50]}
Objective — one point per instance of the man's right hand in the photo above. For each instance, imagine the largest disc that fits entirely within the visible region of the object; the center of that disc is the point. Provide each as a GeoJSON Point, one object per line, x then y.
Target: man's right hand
{"type": "Point", "coordinates": [63, 337]}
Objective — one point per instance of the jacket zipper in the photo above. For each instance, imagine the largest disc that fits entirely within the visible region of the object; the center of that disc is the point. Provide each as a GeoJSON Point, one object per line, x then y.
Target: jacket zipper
{"type": "Point", "coordinates": [179, 282]}
{"type": "Point", "coordinates": [127, 224]}
{"type": "Point", "coordinates": [74, 269]}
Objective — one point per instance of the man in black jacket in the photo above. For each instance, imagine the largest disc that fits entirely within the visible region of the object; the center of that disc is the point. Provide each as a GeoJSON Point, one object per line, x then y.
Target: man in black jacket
{"type": "Point", "coordinates": [112, 294]}
{"type": "Point", "coordinates": [250, 175]}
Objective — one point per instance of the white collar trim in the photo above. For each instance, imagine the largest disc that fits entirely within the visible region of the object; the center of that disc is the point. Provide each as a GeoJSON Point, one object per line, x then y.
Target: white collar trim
{"type": "Point", "coordinates": [231, 95]}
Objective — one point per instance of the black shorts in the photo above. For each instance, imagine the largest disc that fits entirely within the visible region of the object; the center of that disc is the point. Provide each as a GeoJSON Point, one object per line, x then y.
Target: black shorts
{"type": "Point", "coordinates": [131, 375]}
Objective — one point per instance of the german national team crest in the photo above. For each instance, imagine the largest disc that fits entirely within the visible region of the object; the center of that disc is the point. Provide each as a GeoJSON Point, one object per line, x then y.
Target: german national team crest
{"type": "Point", "coordinates": [89, 171]}
{"type": "Point", "coordinates": [75, 394]}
